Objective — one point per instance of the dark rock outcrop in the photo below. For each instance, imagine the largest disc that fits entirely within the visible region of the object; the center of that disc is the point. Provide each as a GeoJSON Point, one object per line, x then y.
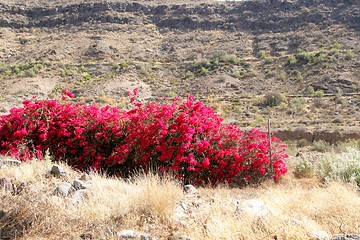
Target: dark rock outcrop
{"type": "Point", "coordinates": [275, 16]}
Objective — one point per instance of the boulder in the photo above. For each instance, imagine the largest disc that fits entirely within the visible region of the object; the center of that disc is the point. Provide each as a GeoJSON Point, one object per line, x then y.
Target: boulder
{"type": "Point", "coordinates": [58, 170]}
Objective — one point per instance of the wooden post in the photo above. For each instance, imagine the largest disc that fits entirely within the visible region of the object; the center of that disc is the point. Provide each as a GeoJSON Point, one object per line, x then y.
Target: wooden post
{"type": "Point", "coordinates": [269, 135]}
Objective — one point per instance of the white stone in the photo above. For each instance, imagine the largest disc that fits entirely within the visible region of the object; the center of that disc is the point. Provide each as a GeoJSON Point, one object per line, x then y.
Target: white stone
{"type": "Point", "coordinates": [63, 189]}
{"type": "Point", "coordinates": [254, 207]}
{"type": "Point", "coordinates": [320, 235]}
{"type": "Point", "coordinates": [79, 195]}
{"type": "Point", "coordinates": [127, 234]}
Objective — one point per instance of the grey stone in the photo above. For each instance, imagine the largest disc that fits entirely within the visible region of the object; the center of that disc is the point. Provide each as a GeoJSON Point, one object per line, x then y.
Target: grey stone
{"type": "Point", "coordinates": [58, 170]}
{"type": "Point", "coordinates": [127, 234]}
{"type": "Point", "coordinates": [63, 189]}
{"type": "Point", "coordinates": [78, 184]}
{"type": "Point", "coordinates": [346, 237]}
{"type": "Point", "coordinates": [254, 207]}
{"type": "Point", "coordinates": [190, 189]}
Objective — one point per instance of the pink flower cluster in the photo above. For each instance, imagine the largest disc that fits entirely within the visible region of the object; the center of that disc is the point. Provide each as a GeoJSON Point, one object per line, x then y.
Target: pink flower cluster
{"type": "Point", "coordinates": [186, 138]}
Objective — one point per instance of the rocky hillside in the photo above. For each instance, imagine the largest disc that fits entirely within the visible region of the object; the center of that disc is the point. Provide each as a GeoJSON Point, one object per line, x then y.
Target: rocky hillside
{"type": "Point", "coordinates": [229, 54]}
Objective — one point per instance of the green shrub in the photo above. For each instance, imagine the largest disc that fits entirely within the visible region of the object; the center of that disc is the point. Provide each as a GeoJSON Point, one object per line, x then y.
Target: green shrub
{"type": "Point", "coordinates": [349, 55]}
{"type": "Point", "coordinates": [269, 74]}
{"type": "Point", "coordinates": [29, 73]}
{"type": "Point", "coordinates": [219, 59]}
{"type": "Point", "coordinates": [205, 63]}
{"type": "Point", "coordinates": [343, 167]}
{"type": "Point", "coordinates": [304, 169]}
{"type": "Point", "coordinates": [236, 74]}
{"type": "Point", "coordinates": [268, 60]}
{"type": "Point", "coordinates": [261, 54]}
{"type": "Point", "coordinates": [291, 60]}
{"type": "Point", "coordinates": [273, 99]}
{"type": "Point", "coordinates": [297, 105]}
{"type": "Point", "coordinates": [230, 58]}
{"type": "Point", "coordinates": [310, 90]}
{"type": "Point", "coordinates": [319, 93]}
{"type": "Point", "coordinates": [121, 66]}
{"type": "Point", "coordinates": [86, 76]}
{"type": "Point", "coordinates": [4, 67]}
{"type": "Point", "coordinates": [306, 57]}
{"type": "Point", "coordinates": [299, 76]}
{"type": "Point", "coordinates": [203, 71]}
{"type": "Point", "coordinates": [321, 146]}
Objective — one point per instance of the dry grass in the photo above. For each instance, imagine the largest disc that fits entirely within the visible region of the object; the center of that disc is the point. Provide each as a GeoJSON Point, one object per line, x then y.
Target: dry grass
{"type": "Point", "coordinates": [147, 204]}
{"type": "Point", "coordinates": [110, 206]}
{"type": "Point", "coordinates": [299, 208]}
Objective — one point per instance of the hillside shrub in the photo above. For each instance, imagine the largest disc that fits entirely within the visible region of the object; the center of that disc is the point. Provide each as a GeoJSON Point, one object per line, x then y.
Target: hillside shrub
{"type": "Point", "coordinates": [186, 138]}
{"type": "Point", "coordinates": [304, 169]}
{"type": "Point", "coordinates": [343, 167]}
{"type": "Point", "coordinates": [272, 99]}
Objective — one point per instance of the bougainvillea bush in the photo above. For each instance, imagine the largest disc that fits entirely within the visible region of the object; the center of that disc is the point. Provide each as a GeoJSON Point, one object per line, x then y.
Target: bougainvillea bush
{"type": "Point", "coordinates": [182, 137]}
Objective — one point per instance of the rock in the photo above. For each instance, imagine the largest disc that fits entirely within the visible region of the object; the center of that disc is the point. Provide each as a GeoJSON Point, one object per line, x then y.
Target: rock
{"type": "Point", "coordinates": [190, 189]}
{"type": "Point", "coordinates": [58, 170]}
{"type": "Point", "coordinates": [19, 188]}
{"type": "Point", "coordinates": [127, 234]}
{"type": "Point", "coordinates": [85, 177]}
{"type": "Point", "coordinates": [6, 184]}
{"type": "Point", "coordinates": [63, 189]}
{"type": "Point", "coordinates": [2, 214]}
{"type": "Point", "coordinates": [11, 162]}
{"type": "Point", "coordinates": [180, 211]}
{"type": "Point", "coordinates": [179, 236]}
{"type": "Point", "coordinates": [78, 184]}
{"type": "Point", "coordinates": [144, 236]}
{"type": "Point", "coordinates": [320, 235]}
{"type": "Point", "coordinates": [254, 207]}
{"type": "Point", "coordinates": [86, 236]}
{"type": "Point", "coordinates": [346, 237]}
{"type": "Point", "coordinates": [79, 195]}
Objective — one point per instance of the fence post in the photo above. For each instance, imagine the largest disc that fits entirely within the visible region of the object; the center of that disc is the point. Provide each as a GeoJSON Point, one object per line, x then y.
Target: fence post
{"type": "Point", "coordinates": [269, 136]}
